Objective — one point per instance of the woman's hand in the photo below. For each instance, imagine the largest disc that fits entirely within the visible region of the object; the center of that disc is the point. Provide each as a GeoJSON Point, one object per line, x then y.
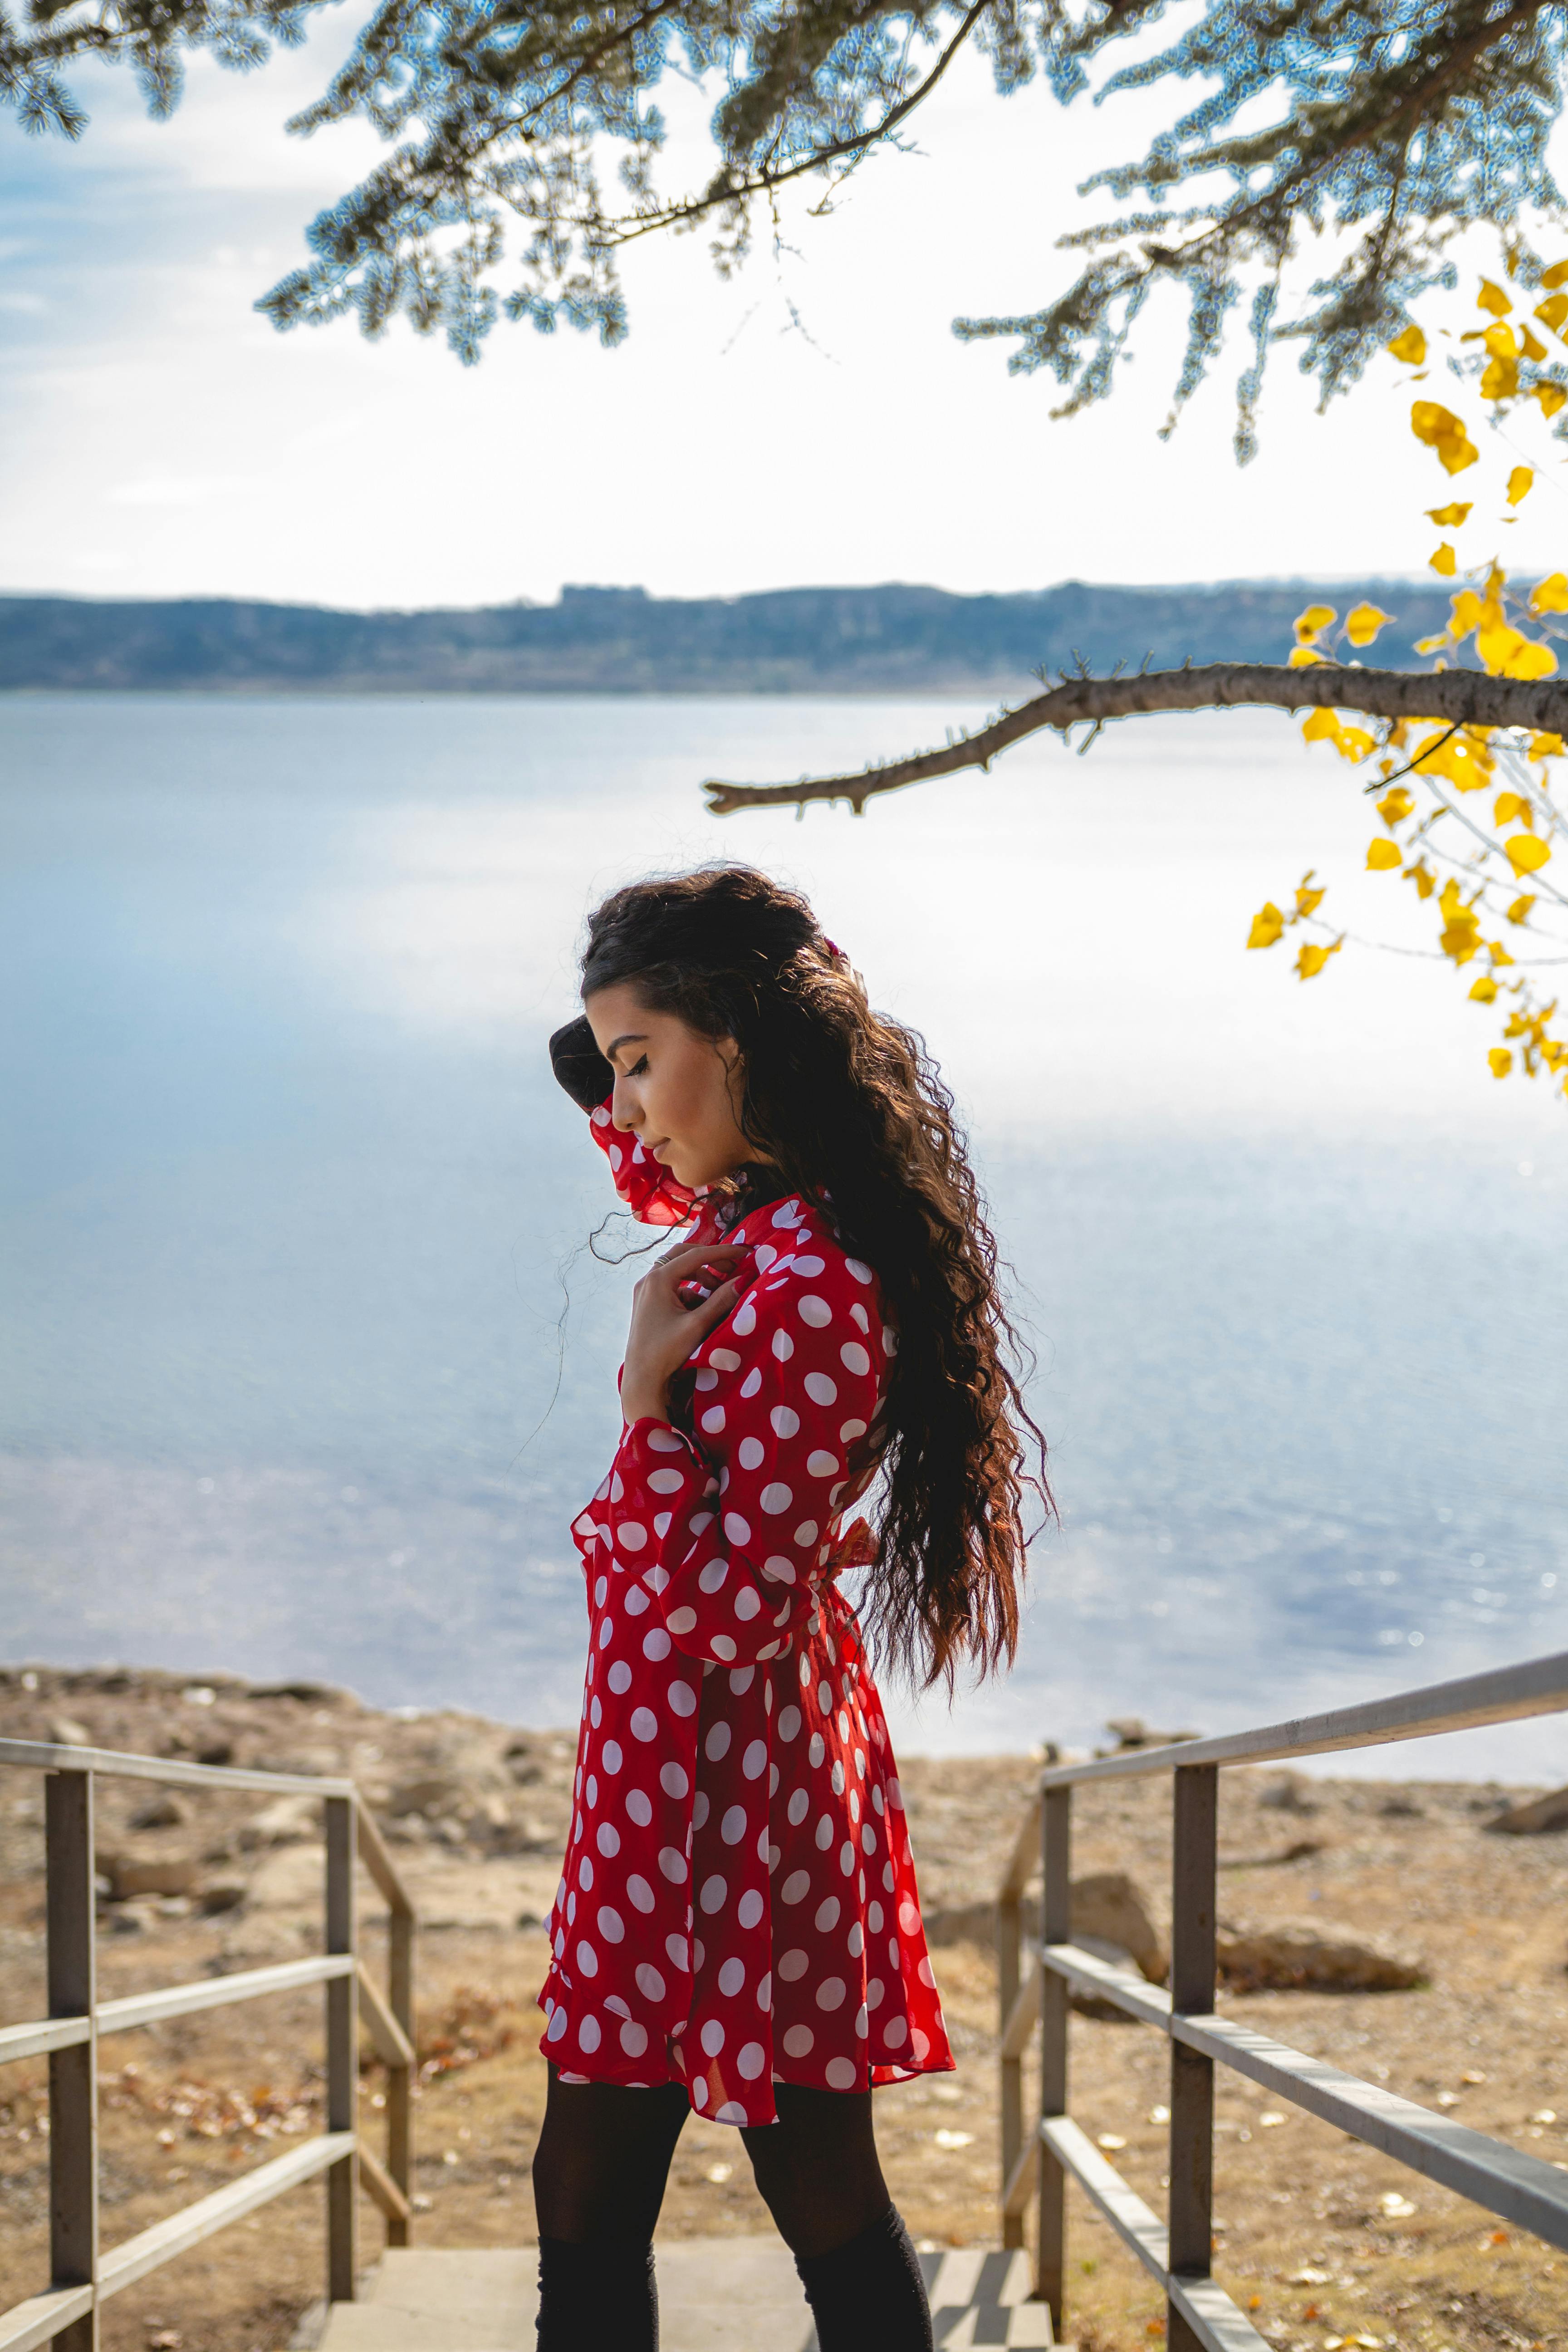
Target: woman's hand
{"type": "Point", "coordinates": [664, 1330]}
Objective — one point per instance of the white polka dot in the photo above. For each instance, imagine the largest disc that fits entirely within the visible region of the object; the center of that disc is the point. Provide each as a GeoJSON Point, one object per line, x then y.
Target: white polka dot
{"type": "Point", "coordinates": [789, 1722]}
{"type": "Point", "coordinates": [634, 2038]}
{"type": "Point", "coordinates": [638, 1808]}
{"type": "Point", "coordinates": [655, 1644]}
{"type": "Point", "coordinates": [797, 2041]}
{"type": "Point", "coordinates": [925, 1975]}
{"type": "Point", "coordinates": [607, 1838]}
{"type": "Point", "coordinates": [650, 1984]}
{"type": "Point", "coordinates": [750, 2061]}
{"type": "Point", "coordinates": [778, 1570]}
{"type": "Point", "coordinates": [868, 1839]}
{"type": "Point", "coordinates": [738, 1529]}
{"type": "Point", "coordinates": [743, 1322]}
{"type": "Point", "coordinates": [895, 1796]}
{"type": "Point", "coordinates": [815, 1311]}
{"type": "Point", "coordinates": [837, 1776]}
{"type": "Point", "coordinates": [699, 2093]}
{"type": "Point", "coordinates": [673, 1865]}
{"type": "Point", "coordinates": [909, 1917]}
{"type": "Point", "coordinates": [711, 1898]}
{"type": "Point", "coordinates": [824, 1830]}
{"type": "Point", "coordinates": [714, 1419]}
{"type": "Point", "coordinates": [755, 1757]}
{"type": "Point", "coordinates": [732, 1828]}
{"type": "Point", "coordinates": [830, 1994]}
{"type": "Point", "coordinates": [874, 1992]}
{"type": "Point", "coordinates": [775, 1497]}
{"type": "Point", "coordinates": [644, 1724]}
{"type": "Point", "coordinates": [584, 1880]}
{"type": "Point", "coordinates": [593, 1791]}
{"type": "Point", "coordinates": [793, 1965]}
{"type": "Point", "coordinates": [766, 1254]}
{"type": "Point", "coordinates": [747, 1604]}
{"type": "Point", "coordinates": [557, 2026]}
{"type": "Point", "coordinates": [795, 1886]}
{"type": "Point", "coordinates": [588, 2032]}
{"type": "Point", "coordinates": [725, 1359]}
{"type": "Point", "coordinates": [672, 1780]}
{"type": "Point", "coordinates": [817, 1749]}
{"type": "Point", "coordinates": [753, 1381]}
{"type": "Point", "coordinates": [666, 1482]}
{"type": "Point", "coordinates": [664, 1440]}
{"type": "Point", "coordinates": [850, 1431]}
{"type": "Point", "coordinates": [853, 1357]}
{"type": "Point", "coordinates": [700, 1809]}
{"type": "Point", "coordinates": [732, 2111]}
{"type": "Point", "coordinates": [750, 1452]}
{"type": "Point", "coordinates": [713, 2037]}
{"type": "Point", "coordinates": [919, 2045]}
{"type": "Point", "coordinates": [680, 1621]}
{"type": "Point", "coordinates": [732, 1979]}
{"type": "Point", "coordinates": [862, 2022]}
{"type": "Point", "coordinates": [894, 2032]}
{"type": "Point", "coordinates": [827, 1914]}
{"type": "Point", "coordinates": [631, 1536]}
{"type": "Point", "coordinates": [810, 1265]}
{"type": "Point", "coordinates": [821, 1465]}
{"type": "Point", "coordinates": [606, 1631]}
{"type": "Point", "coordinates": [806, 1532]}
{"type": "Point", "coordinates": [612, 1927]}
{"type": "Point", "coordinates": [655, 1579]}
{"type": "Point", "coordinates": [798, 1807]}
{"type": "Point", "coordinates": [589, 1959]}
{"type": "Point", "coordinates": [765, 1994]}
{"type": "Point", "coordinates": [682, 1698]}
{"type": "Point", "coordinates": [784, 1345]}
{"type": "Point", "coordinates": [641, 1892]}
{"type": "Point", "coordinates": [675, 1948]}
{"type": "Point", "coordinates": [610, 1756]}
{"type": "Point", "coordinates": [862, 1274]}
{"type": "Point", "coordinates": [713, 1576]}
{"type": "Point", "coordinates": [748, 1910]}
{"type": "Point", "coordinates": [717, 1744]}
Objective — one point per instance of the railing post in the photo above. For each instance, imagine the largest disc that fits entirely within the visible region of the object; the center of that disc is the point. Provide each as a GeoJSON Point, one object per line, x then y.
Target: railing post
{"type": "Point", "coordinates": [400, 2079]}
{"type": "Point", "coordinates": [1055, 1927]}
{"type": "Point", "coordinates": [343, 2055]}
{"type": "Point", "coordinates": [1196, 1823]}
{"type": "Point", "coordinates": [1009, 1969]}
{"type": "Point", "coordinates": [73, 2073]}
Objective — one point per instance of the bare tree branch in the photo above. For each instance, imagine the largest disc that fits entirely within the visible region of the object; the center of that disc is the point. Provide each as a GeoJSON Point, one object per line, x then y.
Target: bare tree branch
{"type": "Point", "coordinates": [1453, 696]}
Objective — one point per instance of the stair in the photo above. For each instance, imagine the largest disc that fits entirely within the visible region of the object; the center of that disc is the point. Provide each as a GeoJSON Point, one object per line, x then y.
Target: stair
{"type": "Point", "coordinates": [715, 2295]}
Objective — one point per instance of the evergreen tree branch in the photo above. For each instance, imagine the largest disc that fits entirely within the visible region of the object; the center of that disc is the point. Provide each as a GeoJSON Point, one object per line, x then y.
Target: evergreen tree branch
{"type": "Point", "coordinates": [1457, 698]}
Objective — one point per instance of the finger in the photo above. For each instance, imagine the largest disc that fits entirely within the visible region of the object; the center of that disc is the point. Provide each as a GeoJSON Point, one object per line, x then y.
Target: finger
{"type": "Point", "coordinates": [712, 1310]}
{"type": "Point", "coordinates": [693, 1253]}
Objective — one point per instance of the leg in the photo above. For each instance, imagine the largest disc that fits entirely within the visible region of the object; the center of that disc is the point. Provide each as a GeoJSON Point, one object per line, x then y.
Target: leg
{"type": "Point", "coordinates": [818, 2172]}
{"type": "Point", "coordinates": [599, 2172]}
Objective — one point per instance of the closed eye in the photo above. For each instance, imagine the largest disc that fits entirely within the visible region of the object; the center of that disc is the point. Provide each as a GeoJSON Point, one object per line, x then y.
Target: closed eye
{"type": "Point", "coordinates": [639, 1067]}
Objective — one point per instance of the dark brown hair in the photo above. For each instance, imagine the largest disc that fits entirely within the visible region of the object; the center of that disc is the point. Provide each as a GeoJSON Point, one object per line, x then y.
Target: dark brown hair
{"type": "Point", "coordinates": [848, 1108]}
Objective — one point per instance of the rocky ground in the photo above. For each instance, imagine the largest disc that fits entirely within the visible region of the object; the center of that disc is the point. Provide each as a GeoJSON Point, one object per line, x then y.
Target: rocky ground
{"type": "Point", "coordinates": [1330, 2247]}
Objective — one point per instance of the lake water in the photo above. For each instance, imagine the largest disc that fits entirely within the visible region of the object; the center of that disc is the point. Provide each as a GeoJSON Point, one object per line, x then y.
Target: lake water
{"type": "Point", "coordinates": [309, 1365]}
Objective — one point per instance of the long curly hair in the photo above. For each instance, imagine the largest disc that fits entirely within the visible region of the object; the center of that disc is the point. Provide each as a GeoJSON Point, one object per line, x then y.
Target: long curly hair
{"type": "Point", "coordinates": [847, 1108]}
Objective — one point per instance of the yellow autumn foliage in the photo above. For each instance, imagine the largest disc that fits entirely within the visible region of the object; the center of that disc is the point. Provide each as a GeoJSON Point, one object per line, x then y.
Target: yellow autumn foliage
{"type": "Point", "coordinates": [1527, 853]}
{"type": "Point", "coordinates": [1381, 855]}
{"type": "Point", "coordinates": [1363, 624]}
{"type": "Point", "coordinates": [1521, 482]}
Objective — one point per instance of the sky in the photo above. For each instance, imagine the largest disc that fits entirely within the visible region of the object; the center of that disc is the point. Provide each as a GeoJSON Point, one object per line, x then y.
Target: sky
{"type": "Point", "coordinates": [159, 438]}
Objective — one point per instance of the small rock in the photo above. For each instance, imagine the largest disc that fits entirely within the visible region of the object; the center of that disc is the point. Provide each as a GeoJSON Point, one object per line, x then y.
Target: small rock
{"type": "Point", "coordinates": [66, 1732]}
{"type": "Point", "coordinates": [219, 1895]}
{"type": "Point", "coordinates": [1312, 1955]}
{"type": "Point", "coordinates": [164, 1811]}
{"type": "Point", "coordinates": [1109, 1910]}
{"type": "Point", "coordinates": [1131, 1731]}
{"type": "Point", "coordinates": [284, 1821]}
{"type": "Point", "coordinates": [130, 1874]}
{"type": "Point", "coordinates": [215, 1751]}
{"type": "Point", "coordinates": [1549, 1812]}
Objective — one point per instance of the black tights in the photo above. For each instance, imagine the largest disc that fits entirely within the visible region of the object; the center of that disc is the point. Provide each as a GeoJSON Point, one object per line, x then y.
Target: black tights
{"type": "Point", "coordinates": [599, 2174]}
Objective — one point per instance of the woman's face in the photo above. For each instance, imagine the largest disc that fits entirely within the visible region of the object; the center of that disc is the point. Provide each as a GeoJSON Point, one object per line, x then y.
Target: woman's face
{"type": "Point", "coordinates": [675, 1090]}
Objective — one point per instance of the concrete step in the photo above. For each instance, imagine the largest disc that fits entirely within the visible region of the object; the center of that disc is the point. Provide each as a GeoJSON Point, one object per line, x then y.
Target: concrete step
{"type": "Point", "coordinates": [715, 2295]}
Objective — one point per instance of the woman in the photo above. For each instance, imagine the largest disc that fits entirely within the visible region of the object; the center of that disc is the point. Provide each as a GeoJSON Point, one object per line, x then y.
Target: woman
{"type": "Point", "coordinates": [737, 1928]}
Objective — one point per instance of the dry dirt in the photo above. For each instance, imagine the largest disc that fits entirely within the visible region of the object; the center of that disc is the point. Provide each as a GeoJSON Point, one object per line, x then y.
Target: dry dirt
{"type": "Point", "coordinates": [1306, 2238]}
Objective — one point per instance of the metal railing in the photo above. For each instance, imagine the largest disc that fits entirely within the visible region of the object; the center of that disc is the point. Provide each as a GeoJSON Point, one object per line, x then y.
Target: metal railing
{"type": "Point", "coordinates": [83, 2272]}
{"type": "Point", "coordinates": [1521, 2188]}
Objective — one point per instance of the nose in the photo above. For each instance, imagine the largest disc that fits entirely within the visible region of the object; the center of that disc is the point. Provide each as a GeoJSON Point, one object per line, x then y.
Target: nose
{"type": "Point", "coordinates": [625, 1112]}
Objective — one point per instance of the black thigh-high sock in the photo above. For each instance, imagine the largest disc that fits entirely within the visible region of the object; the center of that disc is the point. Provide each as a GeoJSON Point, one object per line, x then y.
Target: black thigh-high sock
{"type": "Point", "coordinates": [868, 2291]}
{"type": "Point", "coordinates": [598, 2297]}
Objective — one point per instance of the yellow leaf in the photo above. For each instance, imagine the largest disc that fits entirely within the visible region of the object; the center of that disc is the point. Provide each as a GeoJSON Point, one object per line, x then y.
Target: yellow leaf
{"type": "Point", "coordinates": [1501, 343]}
{"type": "Point", "coordinates": [1302, 656]}
{"type": "Point", "coordinates": [1314, 621]}
{"type": "Point", "coordinates": [1267, 926]}
{"type": "Point", "coordinates": [1497, 645]}
{"type": "Point", "coordinates": [1442, 558]}
{"type": "Point", "coordinates": [1383, 855]}
{"type": "Point", "coordinates": [1550, 594]}
{"type": "Point", "coordinates": [1465, 764]}
{"type": "Point", "coordinates": [1546, 746]}
{"type": "Point", "coordinates": [1468, 610]}
{"type": "Point", "coordinates": [1308, 900]}
{"type": "Point", "coordinates": [1311, 959]}
{"type": "Point", "coordinates": [1499, 954]}
{"type": "Point", "coordinates": [1432, 644]}
{"type": "Point", "coordinates": [1449, 518]}
{"type": "Point", "coordinates": [1354, 743]}
{"type": "Point", "coordinates": [1441, 430]}
{"type": "Point", "coordinates": [1510, 806]}
{"type": "Point", "coordinates": [1492, 298]}
{"type": "Point", "coordinates": [1321, 726]}
{"type": "Point", "coordinates": [1500, 1061]}
{"type": "Point", "coordinates": [1552, 312]}
{"type": "Point", "coordinates": [1483, 990]}
{"type": "Point", "coordinates": [1499, 380]}
{"type": "Point", "coordinates": [1363, 623]}
{"type": "Point", "coordinates": [1519, 910]}
{"type": "Point", "coordinates": [1421, 874]}
{"type": "Point", "coordinates": [1521, 482]}
{"type": "Point", "coordinates": [1411, 346]}
{"type": "Point", "coordinates": [1527, 853]}
{"type": "Point", "coordinates": [1395, 804]}
{"type": "Point", "coordinates": [1530, 660]}
{"type": "Point", "coordinates": [1551, 396]}
{"type": "Point", "coordinates": [1556, 276]}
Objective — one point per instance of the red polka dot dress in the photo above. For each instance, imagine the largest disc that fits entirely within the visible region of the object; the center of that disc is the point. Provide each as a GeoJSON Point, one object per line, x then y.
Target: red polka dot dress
{"type": "Point", "coordinates": [737, 1905]}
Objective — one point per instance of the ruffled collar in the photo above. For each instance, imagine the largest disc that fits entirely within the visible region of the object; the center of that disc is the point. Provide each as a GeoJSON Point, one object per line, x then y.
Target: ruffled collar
{"type": "Point", "coordinates": [655, 1197]}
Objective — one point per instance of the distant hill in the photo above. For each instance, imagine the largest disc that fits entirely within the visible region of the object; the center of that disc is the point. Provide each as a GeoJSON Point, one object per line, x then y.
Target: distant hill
{"type": "Point", "coordinates": [622, 640]}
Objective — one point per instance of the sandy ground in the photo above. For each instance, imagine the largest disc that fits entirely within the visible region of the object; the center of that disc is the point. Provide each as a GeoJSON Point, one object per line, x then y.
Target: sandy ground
{"type": "Point", "coordinates": [1306, 2236]}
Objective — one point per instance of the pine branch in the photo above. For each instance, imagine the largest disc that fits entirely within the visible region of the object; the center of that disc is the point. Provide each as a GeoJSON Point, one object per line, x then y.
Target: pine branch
{"type": "Point", "coordinates": [1453, 698]}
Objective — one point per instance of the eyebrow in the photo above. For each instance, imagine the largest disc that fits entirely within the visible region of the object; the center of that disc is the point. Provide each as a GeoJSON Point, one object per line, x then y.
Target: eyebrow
{"type": "Point", "coordinates": [629, 1037]}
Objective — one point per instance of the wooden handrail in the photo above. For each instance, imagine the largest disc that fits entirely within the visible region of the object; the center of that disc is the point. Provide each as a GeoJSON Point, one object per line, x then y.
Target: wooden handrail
{"type": "Point", "coordinates": [1200, 2316]}
{"type": "Point", "coordinates": [85, 2273]}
